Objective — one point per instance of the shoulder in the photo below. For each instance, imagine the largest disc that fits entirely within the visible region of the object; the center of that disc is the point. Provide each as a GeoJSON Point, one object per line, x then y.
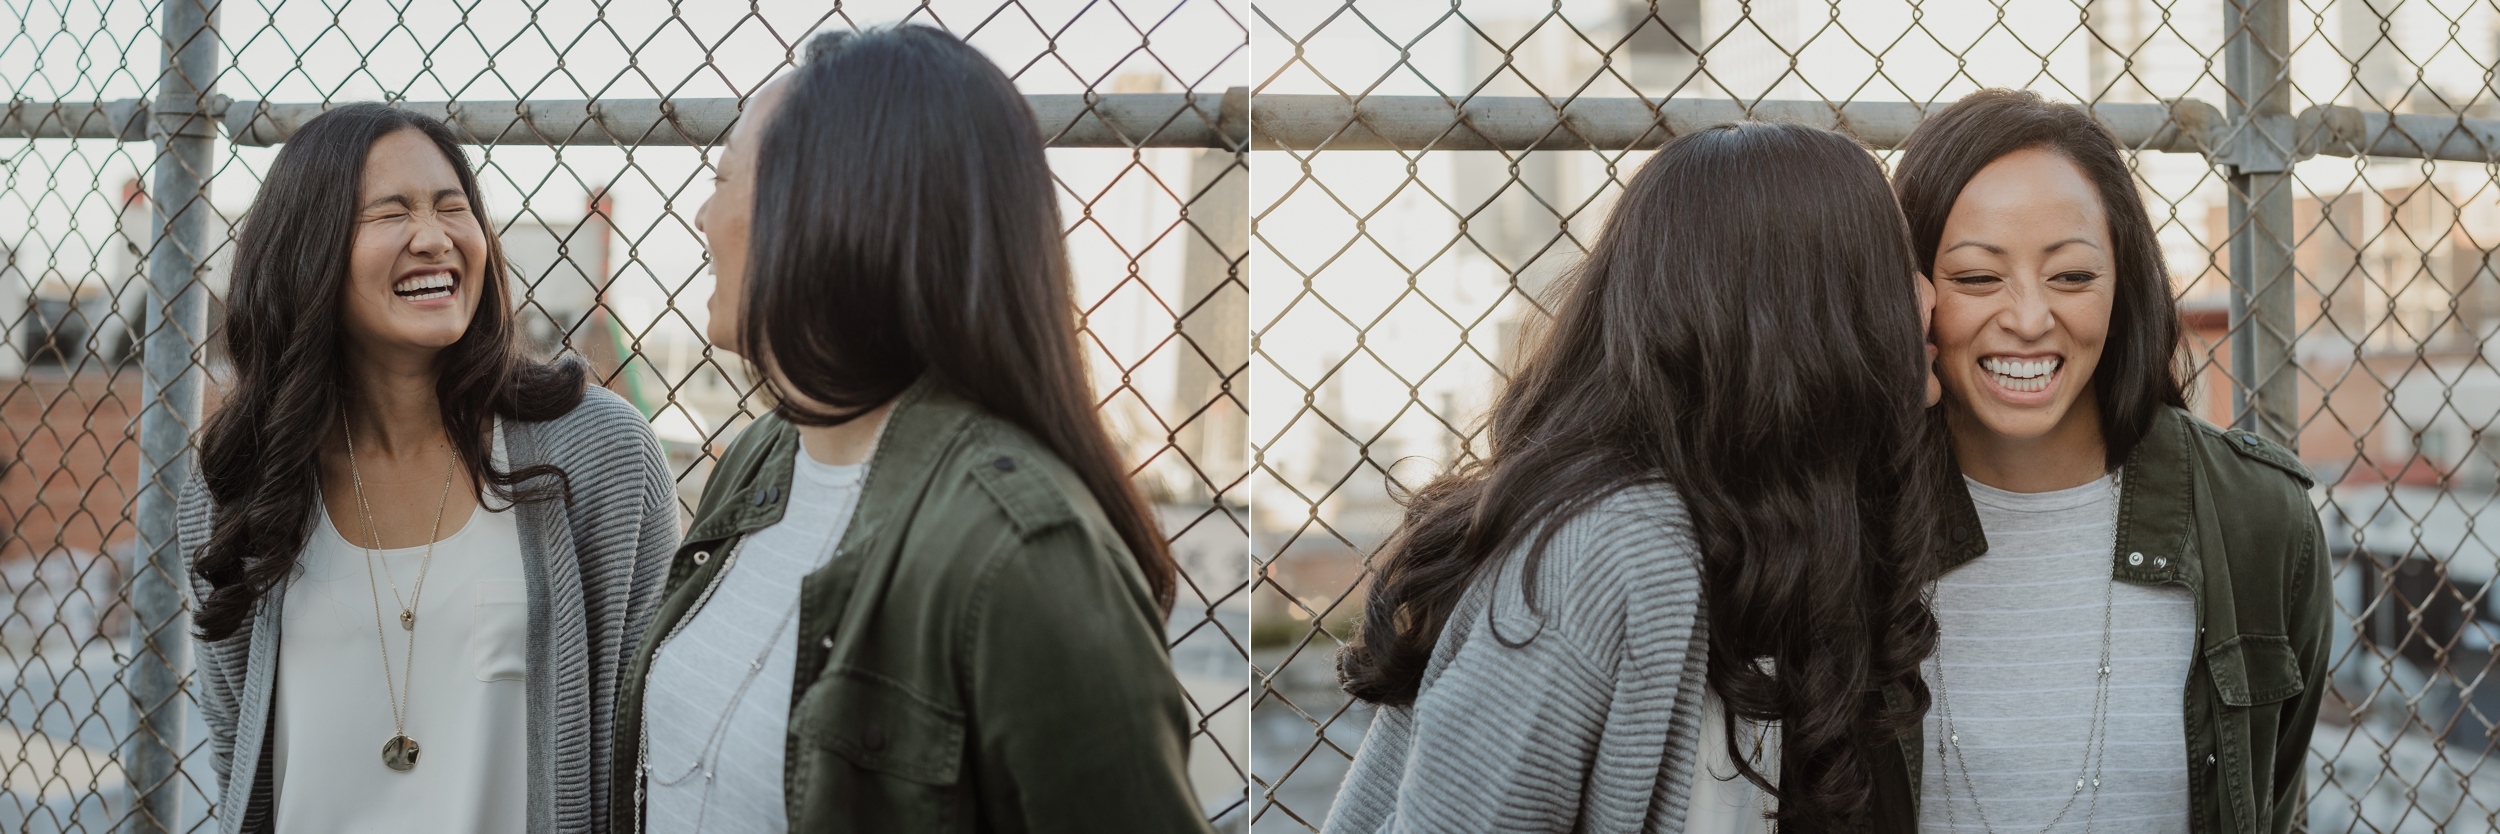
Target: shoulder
{"type": "Point", "coordinates": [1006, 507]}
{"type": "Point", "coordinates": [2257, 457]}
{"type": "Point", "coordinates": [603, 438]}
{"type": "Point", "coordinates": [1637, 534]}
{"type": "Point", "coordinates": [1626, 564]}
{"type": "Point", "coordinates": [1021, 481]}
{"type": "Point", "coordinates": [2254, 481]}
{"type": "Point", "coordinates": [983, 472]}
{"type": "Point", "coordinates": [601, 418]}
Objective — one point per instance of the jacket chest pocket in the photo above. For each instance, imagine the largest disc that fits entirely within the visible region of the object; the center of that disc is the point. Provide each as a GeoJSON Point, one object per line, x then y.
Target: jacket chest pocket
{"type": "Point", "coordinates": [877, 758]}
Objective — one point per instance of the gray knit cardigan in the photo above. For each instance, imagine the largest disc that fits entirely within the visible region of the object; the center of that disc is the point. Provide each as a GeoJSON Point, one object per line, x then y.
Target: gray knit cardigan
{"type": "Point", "coordinates": [1591, 725]}
{"type": "Point", "coordinates": [593, 565]}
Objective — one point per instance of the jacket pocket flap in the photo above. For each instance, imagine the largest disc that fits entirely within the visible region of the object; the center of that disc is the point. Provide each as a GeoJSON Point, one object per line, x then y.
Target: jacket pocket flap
{"type": "Point", "coordinates": [2254, 669]}
{"type": "Point", "coordinates": [881, 726]}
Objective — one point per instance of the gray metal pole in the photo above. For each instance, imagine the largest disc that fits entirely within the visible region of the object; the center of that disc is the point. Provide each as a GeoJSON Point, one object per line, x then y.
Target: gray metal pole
{"type": "Point", "coordinates": [2260, 151]}
{"type": "Point", "coordinates": [176, 323]}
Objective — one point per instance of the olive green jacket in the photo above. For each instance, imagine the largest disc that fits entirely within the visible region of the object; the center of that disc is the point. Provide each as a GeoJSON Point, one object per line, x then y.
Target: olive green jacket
{"type": "Point", "coordinates": [2226, 516]}
{"type": "Point", "coordinates": [981, 654]}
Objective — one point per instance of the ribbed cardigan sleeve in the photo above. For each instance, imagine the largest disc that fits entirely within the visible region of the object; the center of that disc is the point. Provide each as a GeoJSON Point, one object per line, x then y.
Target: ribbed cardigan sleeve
{"type": "Point", "coordinates": [220, 662]}
{"type": "Point", "coordinates": [1579, 712]}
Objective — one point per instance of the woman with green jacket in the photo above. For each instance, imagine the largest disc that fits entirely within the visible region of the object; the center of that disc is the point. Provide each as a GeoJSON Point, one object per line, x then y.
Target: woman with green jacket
{"type": "Point", "coordinates": [920, 595]}
{"type": "Point", "coordinates": [2133, 604]}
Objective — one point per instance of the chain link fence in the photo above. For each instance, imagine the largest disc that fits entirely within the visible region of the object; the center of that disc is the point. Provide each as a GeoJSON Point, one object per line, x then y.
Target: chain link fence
{"type": "Point", "coordinates": [2325, 175]}
{"type": "Point", "coordinates": [133, 135]}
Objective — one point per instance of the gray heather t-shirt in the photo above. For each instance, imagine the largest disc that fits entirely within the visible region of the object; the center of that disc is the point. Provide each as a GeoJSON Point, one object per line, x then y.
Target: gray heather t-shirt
{"type": "Point", "coordinates": [2021, 651]}
{"type": "Point", "coordinates": [704, 773]}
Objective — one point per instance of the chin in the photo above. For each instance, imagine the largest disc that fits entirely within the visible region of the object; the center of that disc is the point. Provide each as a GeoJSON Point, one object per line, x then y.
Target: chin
{"type": "Point", "coordinates": [2004, 419]}
{"type": "Point", "coordinates": [2018, 426]}
{"type": "Point", "coordinates": [435, 339]}
{"type": "Point", "coordinates": [2017, 422]}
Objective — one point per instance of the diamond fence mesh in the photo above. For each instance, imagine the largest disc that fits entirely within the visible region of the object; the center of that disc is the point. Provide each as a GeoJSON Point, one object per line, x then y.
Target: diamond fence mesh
{"type": "Point", "coordinates": [2325, 176]}
{"type": "Point", "coordinates": [133, 135]}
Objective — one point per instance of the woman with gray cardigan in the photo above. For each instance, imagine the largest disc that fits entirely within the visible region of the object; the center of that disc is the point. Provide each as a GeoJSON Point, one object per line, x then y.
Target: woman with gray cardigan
{"type": "Point", "coordinates": [1706, 492]}
{"type": "Point", "coordinates": [419, 558]}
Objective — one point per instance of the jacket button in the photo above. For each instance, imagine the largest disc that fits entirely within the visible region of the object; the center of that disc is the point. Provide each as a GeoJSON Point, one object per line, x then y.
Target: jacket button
{"type": "Point", "coordinates": [759, 496]}
{"type": "Point", "coordinates": [1004, 463]}
{"type": "Point", "coordinates": [2250, 439]}
{"type": "Point", "coordinates": [827, 642]}
{"type": "Point", "coordinates": [1961, 534]}
{"type": "Point", "coordinates": [872, 739]}
{"type": "Point", "coordinates": [2135, 558]}
{"type": "Point", "coordinates": [2161, 562]}
{"type": "Point", "coordinates": [702, 556]}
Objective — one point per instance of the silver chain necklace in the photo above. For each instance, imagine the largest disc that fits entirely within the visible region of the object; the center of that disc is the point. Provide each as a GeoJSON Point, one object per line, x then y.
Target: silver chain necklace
{"type": "Point", "coordinates": [708, 756]}
{"type": "Point", "coordinates": [2096, 734]}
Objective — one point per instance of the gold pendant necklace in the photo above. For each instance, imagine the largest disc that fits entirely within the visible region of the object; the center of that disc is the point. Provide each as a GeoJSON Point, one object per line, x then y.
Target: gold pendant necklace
{"type": "Point", "coordinates": [400, 752]}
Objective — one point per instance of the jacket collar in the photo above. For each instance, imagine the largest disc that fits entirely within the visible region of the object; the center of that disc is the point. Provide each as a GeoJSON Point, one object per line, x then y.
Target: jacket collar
{"type": "Point", "coordinates": [2156, 510]}
{"type": "Point", "coordinates": [754, 495]}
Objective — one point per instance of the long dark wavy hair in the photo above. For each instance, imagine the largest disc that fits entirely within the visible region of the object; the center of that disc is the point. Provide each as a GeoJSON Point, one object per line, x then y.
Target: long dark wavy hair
{"type": "Point", "coordinates": [2138, 372]}
{"type": "Point", "coordinates": [259, 454]}
{"type": "Point", "coordinates": [1745, 330]}
{"type": "Point", "coordinates": [905, 225]}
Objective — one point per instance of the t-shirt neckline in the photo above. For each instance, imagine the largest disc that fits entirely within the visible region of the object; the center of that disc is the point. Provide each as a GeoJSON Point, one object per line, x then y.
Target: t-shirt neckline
{"type": "Point", "coordinates": [2061, 499]}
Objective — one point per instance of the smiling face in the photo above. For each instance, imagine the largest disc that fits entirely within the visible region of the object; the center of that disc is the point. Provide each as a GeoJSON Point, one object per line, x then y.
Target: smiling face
{"type": "Point", "coordinates": [726, 216]}
{"type": "Point", "coordinates": [2024, 284]}
{"type": "Point", "coordinates": [420, 253]}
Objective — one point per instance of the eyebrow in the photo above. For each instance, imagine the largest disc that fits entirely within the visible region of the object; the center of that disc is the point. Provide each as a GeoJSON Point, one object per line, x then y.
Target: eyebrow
{"type": "Point", "coordinates": [1993, 248]}
{"type": "Point", "coordinates": [402, 199]}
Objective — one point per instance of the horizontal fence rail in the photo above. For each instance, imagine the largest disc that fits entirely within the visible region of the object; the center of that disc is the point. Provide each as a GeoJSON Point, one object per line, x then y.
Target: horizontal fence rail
{"type": "Point", "coordinates": [1108, 120]}
{"type": "Point", "coordinates": [1287, 122]}
{"type": "Point", "coordinates": [1518, 123]}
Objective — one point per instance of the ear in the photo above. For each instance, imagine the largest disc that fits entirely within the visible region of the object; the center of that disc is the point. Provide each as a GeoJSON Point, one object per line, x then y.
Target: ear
{"type": "Point", "coordinates": [1926, 326]}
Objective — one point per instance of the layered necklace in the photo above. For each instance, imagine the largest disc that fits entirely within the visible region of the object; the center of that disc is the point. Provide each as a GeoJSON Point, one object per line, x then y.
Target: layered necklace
{"type": "Point", "coordinates": [400, 752]}
{"type": "Point", "coordinates": [2096, 733]}
{"type": "Point", "coordinates": [708, 757]}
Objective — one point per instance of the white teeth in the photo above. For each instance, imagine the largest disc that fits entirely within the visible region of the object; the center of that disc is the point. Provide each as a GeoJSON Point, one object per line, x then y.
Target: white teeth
{"type": "Point", "coordinates": [2021, 375]}
{"type": "Point", "coordinates": [434, 285]}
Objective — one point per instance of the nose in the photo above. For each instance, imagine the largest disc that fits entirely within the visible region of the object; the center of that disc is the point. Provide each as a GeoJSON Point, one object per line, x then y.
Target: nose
{"type": "Point", "coordinates": [430, 239]}
{"type": "Point", "coordinates": [2027, 316]}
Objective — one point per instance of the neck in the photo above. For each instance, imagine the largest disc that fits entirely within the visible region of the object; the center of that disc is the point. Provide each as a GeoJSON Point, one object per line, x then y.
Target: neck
{"type": "Point", "coordinates": [2070, 454]}
{"type": "Point", "coordinates": [848, 444]}
{"type": "Point", "coordinates": [392, 406]}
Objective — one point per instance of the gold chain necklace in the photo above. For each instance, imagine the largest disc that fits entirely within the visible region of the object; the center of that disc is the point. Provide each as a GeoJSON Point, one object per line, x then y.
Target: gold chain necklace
{"type": "Point", "coordinates": [400, 752]}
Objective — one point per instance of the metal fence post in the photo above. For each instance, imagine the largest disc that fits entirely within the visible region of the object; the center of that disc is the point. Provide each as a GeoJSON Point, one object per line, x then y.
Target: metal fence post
{"type": "Point", "coordinates": [186, 134]}
{"type": "Point", "coordinates": [2260, 151]}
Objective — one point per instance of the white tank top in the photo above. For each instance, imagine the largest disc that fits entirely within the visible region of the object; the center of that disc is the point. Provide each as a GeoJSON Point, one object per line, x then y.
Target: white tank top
{"type": "Point", "coordinates": [1723, 802]}
{"type": "Point", "coordinates": [467, 707]}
